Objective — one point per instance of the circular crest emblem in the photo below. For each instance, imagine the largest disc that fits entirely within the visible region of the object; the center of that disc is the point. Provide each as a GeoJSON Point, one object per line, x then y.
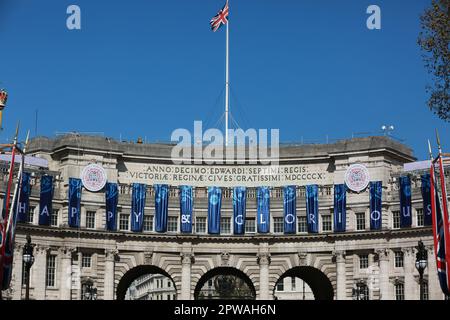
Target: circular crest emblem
{"type": "Point", "coordinates": [93, 177]}
{"type": "Point", "coordinates": [357, 177]}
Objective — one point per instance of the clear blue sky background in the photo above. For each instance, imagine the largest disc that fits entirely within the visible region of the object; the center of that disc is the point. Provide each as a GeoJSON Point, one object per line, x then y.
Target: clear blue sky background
{"type": "Point", "coordinates": [144, 68]}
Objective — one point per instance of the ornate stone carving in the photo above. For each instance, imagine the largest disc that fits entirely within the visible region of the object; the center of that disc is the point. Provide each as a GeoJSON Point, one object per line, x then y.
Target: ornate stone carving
{"type": "Point", "coordinates": [383, 254]}
{"type": "Point", "coordinates": [224, 258]}
{"type": "Point", "coordinates": [111, 254]}
{"type": "Point", "coordinates": [263, 258]}
{"type": "Point", "coordinates": [187, 257]}
{"type": "Point", "coordinates": [66, 252]}
{"type": "Point", "coordinates": [148, 256]}
{"type": "Point", "coordinates": [339, 256]}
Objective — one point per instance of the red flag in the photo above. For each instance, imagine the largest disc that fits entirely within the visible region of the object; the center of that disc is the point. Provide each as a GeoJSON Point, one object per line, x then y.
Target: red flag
{"type": "Point", "coordinates": [221, 18]}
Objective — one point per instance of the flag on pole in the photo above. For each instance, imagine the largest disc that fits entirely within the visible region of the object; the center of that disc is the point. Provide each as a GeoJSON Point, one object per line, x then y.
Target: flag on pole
{"type": "Point", "coordinates": [221, 18]}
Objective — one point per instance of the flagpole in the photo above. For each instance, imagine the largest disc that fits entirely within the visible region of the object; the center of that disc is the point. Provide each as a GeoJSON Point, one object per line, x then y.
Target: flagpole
{"type": "Point", "coordinates": [227, 81]}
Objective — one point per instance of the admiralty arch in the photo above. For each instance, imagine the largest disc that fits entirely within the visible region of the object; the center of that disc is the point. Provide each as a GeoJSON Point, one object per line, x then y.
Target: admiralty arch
{"type": "Point", "coordinates": [380, 259]}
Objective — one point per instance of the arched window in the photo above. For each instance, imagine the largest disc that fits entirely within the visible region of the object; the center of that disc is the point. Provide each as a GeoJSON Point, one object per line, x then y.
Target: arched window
{"type": "Point", "coordinates": [399, 291]}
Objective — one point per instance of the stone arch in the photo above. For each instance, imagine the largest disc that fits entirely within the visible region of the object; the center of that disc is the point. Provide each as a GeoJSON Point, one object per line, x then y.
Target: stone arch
{"type": "Point", "coordinates": [223, 271]}
{"type": "Point", "coordinates": [132, 274]}
{"type": "Point", "coordinates": [318, 281]}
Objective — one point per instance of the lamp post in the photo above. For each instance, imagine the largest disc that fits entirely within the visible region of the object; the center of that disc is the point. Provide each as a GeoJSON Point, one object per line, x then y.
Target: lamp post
{"type": "Point", "coordinates": [387, 129]}
{"type": "Point", "coordinates": [28, 260]}
{"type": "Point", "coordinates": [421, 264]}
{"type": "Point", "coordinates": [90, 292]}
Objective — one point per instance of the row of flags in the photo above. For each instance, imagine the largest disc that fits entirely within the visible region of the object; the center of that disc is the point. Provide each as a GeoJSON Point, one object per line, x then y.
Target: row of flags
{"type": "Point", "coordinates": [239, 201]}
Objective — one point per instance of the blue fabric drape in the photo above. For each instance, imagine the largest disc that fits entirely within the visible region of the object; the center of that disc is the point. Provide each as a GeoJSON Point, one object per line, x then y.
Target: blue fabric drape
{"type": "Point", "coordinates": [239, 208]}
{"type": "Point", "coordinates": [426, 197]}
{"type": "Point", "coordinates": [376, 193]}
{"type": "Point", "coordinates": [137, 206]}
{"type": "Point", "coordinates": [312, 208]}
{"type": "Point", "coordinates": [263, 209]}
{"type": "Point", "coordinates": [112, 198]}
{"type": "Point", "coordinates": [405, 202]}
{"type": "Point", "coordinates": [186, 208]}
{"type": "Point", "coordinates": [24, 200]}
{"type": "Point", "coordinates": [74, 202]}
{"type": "Point", "coordinates": [340, 203]}
{"type": "Point", "coordinates": [290, 209]}
{"type": "Point", "coordinates": [161, 207]}
{"type": "Point", "coordinates": [214, 206]}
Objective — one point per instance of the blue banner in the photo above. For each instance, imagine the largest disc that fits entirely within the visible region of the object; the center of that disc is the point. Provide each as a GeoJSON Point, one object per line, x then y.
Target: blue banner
{"type": "Point", "coordinates": [263, 209]}
{"type": "Point", "coordinates": [137, 206]}
{"type": "Point", "coordinates": [112, 197]}
{"type": "Point", "coordinates": [405, 202]}
{"type": "Point", "coordinates": [161, 207]}
{"type": "Point", "coordinates": [290, 209]}
{"type": "Point", "coordinates": [24, 198]}
{"type": "Point", "coordinates": [239, 209]}
{"type": "Point", "coordinates": [426, 196]}
{"type": "Point", "coordinates": [186, 207]}
{"type": "Point", "coordinates": [74, 202]}
{"type": "Point", "coordinates": [312, 208]}
{"type": "Point", "coordinates": [340, 203]}
{"type": "Point", "coordinates": [214, 206]}
{"type": "Point", "coordinates": [45, 202]}
{"type": "Point", "coordinates": [376, 193]}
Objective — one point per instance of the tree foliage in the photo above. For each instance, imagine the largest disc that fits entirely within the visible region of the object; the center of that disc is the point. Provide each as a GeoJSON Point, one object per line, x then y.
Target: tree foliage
{"type": "Point", "coordinates": [434, 42]}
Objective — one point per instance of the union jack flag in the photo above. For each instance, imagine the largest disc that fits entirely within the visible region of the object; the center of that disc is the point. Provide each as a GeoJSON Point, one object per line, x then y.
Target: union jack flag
{"type": "Point", "coordinates": [219, 19]}
{"type": "Point", "coordinates": [440, 228]}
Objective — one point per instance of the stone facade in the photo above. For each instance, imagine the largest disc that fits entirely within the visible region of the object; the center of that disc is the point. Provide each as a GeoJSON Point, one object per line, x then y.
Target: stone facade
{"type": "Point", "coordinates": [324, 260]}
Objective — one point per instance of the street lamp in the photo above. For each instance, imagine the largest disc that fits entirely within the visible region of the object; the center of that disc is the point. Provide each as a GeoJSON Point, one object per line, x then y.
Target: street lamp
{"type": "Point", "coordinates": [28, 260]}
{"type": "Point", "coordinates": [387, 129]}
{"type": "Point", "coordinates": [90, 293]}
{"type": "Point", "coordinates": [421, 264]}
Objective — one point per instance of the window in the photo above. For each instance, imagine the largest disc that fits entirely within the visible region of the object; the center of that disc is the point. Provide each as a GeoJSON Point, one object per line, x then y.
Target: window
{"type": "Point", "coordinates": [326, 223]}
{"type": "Point", "coordinates": [293, 284]}
{"type": "Point", "coordinates": [363, 261]}
{"type": "Point", "coordinates": [225, 227]}
{"type": "Point", "coordinates": [280, 285]}
{"type": "Point", "coordinates": [302, 225]}
{"type": "Point", "coordinates": [90, 219]}
{"type": "Point", "coordinates": [86, 260]}
{"type": "Point", "coordinates": [54, 218]}
{"type": "Point", "coordinates": [425, 290]}
{"type": "Point", "coordinates": [361, 292]}
{"type": "Point", "coordinates": [148, 223]}
{"type": "Point", "coordinates": [50, 274]}
{"type": "Point", "coordinates": [30, 215]}
{"type": "Point", "coordinates": [399, 291]}
{"type": "Point", "coordinates": [361, 221]}
{"type": "Point", "coordinates": [200, 224]}
{"type": "Point", "coordinates": [172, 224]}
{"type": "Point", "coordinates": [420, 217]}
{"type": "Point", "coordinates": [398, 259]}
{"type": "Point", "coordinates": [250, 226]}
{"type": "Point", "coordinates": [124, 221]}
{"type": "Point", "coordinates": [396, 219]}
{"type": "Point", "coordinates": [278, 225]}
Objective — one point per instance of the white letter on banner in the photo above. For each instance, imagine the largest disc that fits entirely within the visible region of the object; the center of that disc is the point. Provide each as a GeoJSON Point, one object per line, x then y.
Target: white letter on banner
{"type": "Point", "coordinates": [22, 207]}
{"type": "Point", "coordinates": [374, 21]}
{"type": "Point", "coordinates": [408, 211]}
{"type": "Point", "coordinates": [137, 216]}
{"type": "Point", "coordinates": [312, 217]}
{"type": "Point", "coordinates": [429, 210]}
{"type": "Point", "coordinates": [110, 215]}
{"type": "Point", "coordinates": [240, 218]}
{"type": "Point", "coordinates": [185, 218]}
{"type": "Point", "coordinates": [44, 211]}
{"type": "Point", "coordinates": [287, 220]}
{"type": "Point", "coordinates": [74, 212]}
{"type": "Point", "coordinates": [262, 219]}
{"type": "Point", "coordinates": [375, 215]}
{"type": "Point", "coordinates": [74, 20]}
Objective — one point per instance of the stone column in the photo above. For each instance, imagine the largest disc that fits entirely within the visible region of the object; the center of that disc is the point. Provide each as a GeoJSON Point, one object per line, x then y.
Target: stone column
{"type": "Point", "coordinates": [264, 261]}
{"type": "Point", "coordinates": [341, 278]}
{"type": "Point", "coordinates": [16, 281]}
{"type": "Point", "coordinates": [187, 258]}
{"type": "Point", "coordinates": [65, 282]}
{"type": "Point", "coordinates": [383, 258]}
{"type": "Point", "coordinates": [108, 281]}
{"type": "Point", "coordinates": [409, 267]}
{"type": "Point", "coordinates": [38, 272]}
{"type": "Point", "coordinates": [434, 288]}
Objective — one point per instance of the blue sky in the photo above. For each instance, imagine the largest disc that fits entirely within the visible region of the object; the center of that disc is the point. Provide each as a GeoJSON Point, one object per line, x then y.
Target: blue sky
{"type": "Point", "coordinates": [310, 68]}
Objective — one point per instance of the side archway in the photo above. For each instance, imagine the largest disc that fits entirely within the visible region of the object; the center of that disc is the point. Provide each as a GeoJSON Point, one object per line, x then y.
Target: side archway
{"type": "Point", "coordinates": [133, 274]}
{"type": "Point", "coordinates": [317, 281]}
{"type": "Point", "coordinates": [225, 283]}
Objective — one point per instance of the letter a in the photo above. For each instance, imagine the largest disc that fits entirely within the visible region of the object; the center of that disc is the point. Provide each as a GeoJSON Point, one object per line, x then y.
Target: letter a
{"type": "Point", "coordinates": [374, 21]}
{"type": "Point", "coordinates": [74, 20]}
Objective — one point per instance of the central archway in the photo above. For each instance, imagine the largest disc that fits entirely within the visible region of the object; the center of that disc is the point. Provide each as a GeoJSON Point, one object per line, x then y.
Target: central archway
{"type": "Point", "coordinates": [316, 281]}
{"type": "Point", "coordinates": [224, 283]}
{"type": "Point", "coordinates": [139, 272]}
